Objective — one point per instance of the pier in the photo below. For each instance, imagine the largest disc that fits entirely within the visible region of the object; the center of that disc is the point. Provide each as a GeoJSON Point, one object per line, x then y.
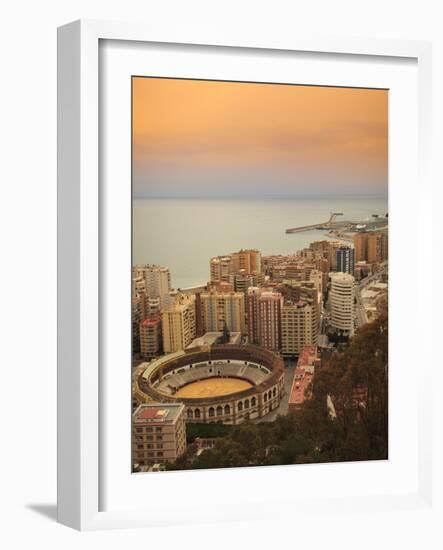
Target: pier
{"type": "Point", "coordinates": [336, 227]}
{"type": "Point", "coordinates": [330, 224]}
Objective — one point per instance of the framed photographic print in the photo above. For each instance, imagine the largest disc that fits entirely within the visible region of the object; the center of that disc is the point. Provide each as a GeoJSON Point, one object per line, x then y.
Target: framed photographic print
{"type": "Point", "coordinates": [232, 305]}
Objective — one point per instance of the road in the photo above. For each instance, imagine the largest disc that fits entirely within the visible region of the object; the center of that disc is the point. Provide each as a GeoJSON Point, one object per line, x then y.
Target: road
{"type": "Point", "coordinates": [283, 408]}
{"type": "Point", "coordinates": [360, 313]}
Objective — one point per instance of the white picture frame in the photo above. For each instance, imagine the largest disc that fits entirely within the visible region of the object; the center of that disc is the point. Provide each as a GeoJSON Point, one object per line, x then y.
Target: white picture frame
{"type": "Point", "coordinates": [80, 207]}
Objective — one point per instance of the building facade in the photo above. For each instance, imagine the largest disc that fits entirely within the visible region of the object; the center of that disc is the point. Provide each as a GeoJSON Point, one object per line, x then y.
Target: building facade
{"type": "Point", "coordinates": [247, 260]}
{"type": "Point", "coordinates": [158, 433]}
{"type": "Point", "coordinates": [220, 268]}
{"type": "Point", "coordinates": [264, 307]}
{"type": "Point", "coordinates": [307, 291]}
{"type": "Point", "coordinates": [151, 336]}
{"type": "Point", "coordinates": [136, 317]}
{"type": "Point", "coordinates": [220, 308]}
{"type": "Point", "coordinates": [252, 296]}
{"type": "Point", "coordinates": [377, 247]}
{"type": "Point", "coordinates": [341, 298]}
{"type": "Point", "coordinates": [157, 280]}
{"type": "Point", "coordinates": [299, 327]}
{"type": "Point", "coordinates": [361, 247]}
{"type": "Point", "coordinates": [371, 247]}
{"type": "Point", "coordinates": [179, 323]}
{"type": "Point", "coordinates": [241, 280]}
{"type": "Point", "coordinates": [345, 259]}
{"type": "Point", "coordinates": [269, 312]}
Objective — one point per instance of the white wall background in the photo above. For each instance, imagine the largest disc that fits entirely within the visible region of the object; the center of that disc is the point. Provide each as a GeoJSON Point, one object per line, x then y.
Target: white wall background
{"type": "Point", "coordinates": [28, 254]}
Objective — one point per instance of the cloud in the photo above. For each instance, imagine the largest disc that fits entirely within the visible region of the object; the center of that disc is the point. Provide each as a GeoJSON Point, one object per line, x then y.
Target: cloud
{"type": "Point", "coordinates": [190, 137]}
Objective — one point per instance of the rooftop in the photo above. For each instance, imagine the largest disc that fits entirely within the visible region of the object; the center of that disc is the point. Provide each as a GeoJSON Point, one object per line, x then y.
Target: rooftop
{"type": "Point", "coordinates": [157, 413]}
{"type": "Point", "coordinates": [303, 374]}
{"type": "Point", "coordinates": [150, 322]}
{"type": "Point", "coordinates": [302, 379]}
{"type": "Point", "coordinates": [338, 276]}
{"type": "Point", "coordinates": [308, 356]}
{"type": "Point", "coordinates": [210, 338]}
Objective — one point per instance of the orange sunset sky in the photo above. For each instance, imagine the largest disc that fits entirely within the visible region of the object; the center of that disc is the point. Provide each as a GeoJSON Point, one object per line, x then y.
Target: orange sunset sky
{"type": "Point", "coordinates": [194, 138]}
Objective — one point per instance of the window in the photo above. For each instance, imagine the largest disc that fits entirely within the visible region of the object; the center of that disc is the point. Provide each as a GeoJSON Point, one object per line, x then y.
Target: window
{"type": "Point", "coordinates": [227, 409]}
{"type": "Point", "coordinates": [158, 430]}
{"type": "Point", "coordinates": [190, 413]}
{"type": "Point", "coordinates": [253, 402]}
{"type": "Point", "coordinates": [211, 411]}
{"type": "Point", "coordinates": [240, 406]}
{"type": "Point", "coordinates": [219, 410]}
{"type": "Point", "coordinates": [160, 455]}
{"type": "Point", "coordinates": [197, 413]}
{"type": "Point", "coordinates": [247, 404]}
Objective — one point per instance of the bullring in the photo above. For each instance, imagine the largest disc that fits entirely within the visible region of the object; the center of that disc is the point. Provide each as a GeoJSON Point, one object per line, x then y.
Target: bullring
{"type": "Point", "coordinates": [218, 383]}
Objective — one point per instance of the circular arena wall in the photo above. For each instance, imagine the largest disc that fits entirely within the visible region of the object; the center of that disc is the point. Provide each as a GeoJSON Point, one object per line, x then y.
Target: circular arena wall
{"type": "Point", "coordinates": [242, 382]}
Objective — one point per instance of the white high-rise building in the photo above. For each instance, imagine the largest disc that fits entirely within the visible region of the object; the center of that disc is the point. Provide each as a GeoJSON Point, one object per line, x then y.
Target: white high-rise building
{"type": "Point", "coordinates": [341, 299]}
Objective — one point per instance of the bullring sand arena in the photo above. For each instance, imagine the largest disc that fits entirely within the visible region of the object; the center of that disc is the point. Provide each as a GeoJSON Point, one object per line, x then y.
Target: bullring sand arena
{"type": "Point", "coordinates": [212, 387]}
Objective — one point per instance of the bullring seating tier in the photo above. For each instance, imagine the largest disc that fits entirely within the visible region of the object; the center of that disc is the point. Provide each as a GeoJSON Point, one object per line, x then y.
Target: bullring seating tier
{"type": "Point", "coordinates": [171, 382]}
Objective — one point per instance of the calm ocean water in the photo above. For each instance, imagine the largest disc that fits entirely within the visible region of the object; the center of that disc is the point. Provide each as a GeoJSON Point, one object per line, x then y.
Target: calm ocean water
{"type": "Point", "coordinates": [183, 234]}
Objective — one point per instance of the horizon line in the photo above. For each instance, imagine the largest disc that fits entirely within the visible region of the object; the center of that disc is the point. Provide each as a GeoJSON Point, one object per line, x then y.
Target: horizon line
{"type": "Point", "coordinates": [252, 197]}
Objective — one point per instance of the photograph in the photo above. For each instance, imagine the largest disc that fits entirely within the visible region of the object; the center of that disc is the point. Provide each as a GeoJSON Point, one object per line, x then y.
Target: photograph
{"type": "Point", "coordinates": [226, 217]}
{"type": "Point", "coordinates": [259, 276]}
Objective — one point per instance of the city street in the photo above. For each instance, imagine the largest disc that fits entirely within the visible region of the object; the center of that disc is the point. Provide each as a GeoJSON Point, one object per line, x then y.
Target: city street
{"type": "Point", "coordinates": [283, 407]}
{"type": "Point", "coordinates": [360, 313]}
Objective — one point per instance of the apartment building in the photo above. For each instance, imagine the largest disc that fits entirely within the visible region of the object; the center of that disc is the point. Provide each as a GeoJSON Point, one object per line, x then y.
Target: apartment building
{"type": "Point", "coordinates": [179, 323]}
{"type": "Point", "coordinates": [220, 308]}
{"type": "Point", "coordinates": [220, 268]}
{"type": "Point", "coordinates": [299, 327]}
{"type": "Point", "coordinates": [247, 260]}
{"type": "Point", "coordinates": [157, 280]}
{"type": "Point", "coordinates": [341, 298]}
{"type": "Point", "coordinates": [158, 433]}
{"type": "Point", "coordinates": [345, 259]}
{"type": "Point", "coordinates": [151, 336]}
{"type": "Point", "coordinates": [264, 308]}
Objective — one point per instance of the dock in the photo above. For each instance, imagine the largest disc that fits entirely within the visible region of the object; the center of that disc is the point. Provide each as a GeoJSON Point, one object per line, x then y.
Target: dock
{"type": "Point", "coordinates": [330, 224]}
{"type": "Point", "coordinates": [345, 225]}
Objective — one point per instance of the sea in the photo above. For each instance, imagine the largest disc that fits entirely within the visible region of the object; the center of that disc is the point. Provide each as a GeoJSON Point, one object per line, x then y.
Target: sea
{"type": "Point", "coordinates": [183, 234]}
